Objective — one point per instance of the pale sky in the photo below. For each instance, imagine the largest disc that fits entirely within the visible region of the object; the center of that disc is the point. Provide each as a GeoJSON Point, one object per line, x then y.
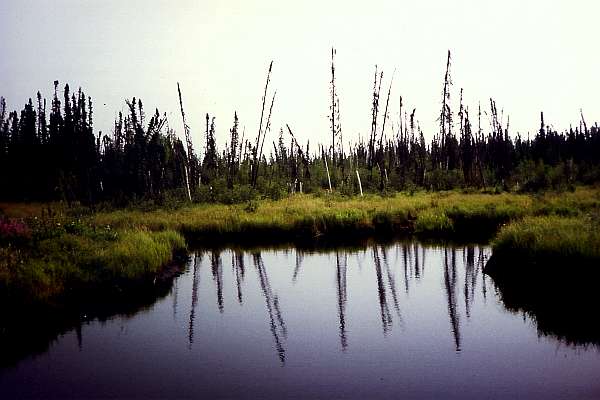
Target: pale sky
{"type": "Point", "coordinates": [528, 55]}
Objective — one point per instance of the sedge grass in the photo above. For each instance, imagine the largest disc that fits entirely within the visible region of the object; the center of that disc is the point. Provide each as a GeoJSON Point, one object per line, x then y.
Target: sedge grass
{"type": "Point", "coordinates": [427, 214]}
{"type": "Point", "coordinates": [69, 262]}
{"type": "Point", "coordinates": [553, 239]}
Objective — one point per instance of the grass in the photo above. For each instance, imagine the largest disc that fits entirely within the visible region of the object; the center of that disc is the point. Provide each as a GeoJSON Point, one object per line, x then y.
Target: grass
{"type": "Point", "coordinates": [60, 262]}
{"type": "Point", "coordinates": [47, 250]}
{"type": "Point", "coordinates": [553, 239]}
{"type": "Point", "coordinates": [444, 214]}
{"type": "Point", "coordinates": [547, 267]}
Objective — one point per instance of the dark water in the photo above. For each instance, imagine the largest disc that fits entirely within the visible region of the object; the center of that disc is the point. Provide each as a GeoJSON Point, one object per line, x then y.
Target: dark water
{"type": "Point", "coordinates": [394, 321]}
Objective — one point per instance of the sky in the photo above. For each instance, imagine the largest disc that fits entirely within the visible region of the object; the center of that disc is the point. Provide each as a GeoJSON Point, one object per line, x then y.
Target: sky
{"type": "Point", "coordinates": [530, 56]}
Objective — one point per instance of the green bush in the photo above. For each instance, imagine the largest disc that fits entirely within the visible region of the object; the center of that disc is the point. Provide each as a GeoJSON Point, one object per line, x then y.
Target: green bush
{"type": "Point", "coordinates": [534, 177]}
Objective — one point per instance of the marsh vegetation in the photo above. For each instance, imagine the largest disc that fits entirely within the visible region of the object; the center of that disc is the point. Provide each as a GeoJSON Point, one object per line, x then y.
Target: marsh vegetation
{"type": "Point", "coordinates": [87, 217]}
{"type": "Point", "coordinates": [47, 251]}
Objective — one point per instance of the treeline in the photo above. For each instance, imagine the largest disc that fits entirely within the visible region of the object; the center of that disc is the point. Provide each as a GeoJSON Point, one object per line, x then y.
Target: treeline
{"type": "Point", "coordinates": [51, 152]}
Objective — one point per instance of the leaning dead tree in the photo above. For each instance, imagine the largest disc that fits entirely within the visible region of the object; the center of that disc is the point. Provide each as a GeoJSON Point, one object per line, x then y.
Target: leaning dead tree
{"type": "Point", "coordinates": [188, 141]}
{"type": "Point", "coordinates": [267, 129]}
{"type": "Point", "coordinates": [257, 150]}
{"type": "Point", "coordinates": [385, 113]}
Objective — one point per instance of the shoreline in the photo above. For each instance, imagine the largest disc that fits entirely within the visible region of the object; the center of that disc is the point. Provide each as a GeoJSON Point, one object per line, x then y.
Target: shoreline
{"type": "Point", "coordinates": [57, 252]}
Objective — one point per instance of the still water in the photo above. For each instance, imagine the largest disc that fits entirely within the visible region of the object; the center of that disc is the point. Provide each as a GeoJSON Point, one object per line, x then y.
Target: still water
{"type": "Point", "coordinates": [396, 321]}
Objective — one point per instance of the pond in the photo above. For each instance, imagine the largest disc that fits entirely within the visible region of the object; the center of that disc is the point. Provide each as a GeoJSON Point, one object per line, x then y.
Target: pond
{"type": "Point", "coordinates": [382, 320]}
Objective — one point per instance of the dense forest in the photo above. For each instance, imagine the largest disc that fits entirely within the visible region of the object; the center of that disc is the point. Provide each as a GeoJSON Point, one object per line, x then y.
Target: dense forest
{"type": "Point", "coordinates": [51, 152]}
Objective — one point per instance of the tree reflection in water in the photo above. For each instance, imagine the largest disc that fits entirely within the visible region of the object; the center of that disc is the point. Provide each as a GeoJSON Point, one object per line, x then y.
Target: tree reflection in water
{"type": "Point", "coordinates": [409, 262]}
{"type": "Point", "coordinates": [195, 277]}
{"type": "Point", "coordinates": [341, 263]}
{"type": "Point", "coordinates": [454, 272]}
{"type": "Point", "coordinates": [276, 322]}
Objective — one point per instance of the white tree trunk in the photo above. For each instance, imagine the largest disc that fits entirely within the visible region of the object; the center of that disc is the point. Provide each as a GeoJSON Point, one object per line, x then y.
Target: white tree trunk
{"type": "Point", "coordinates": [328, 177]}
{"type": "Point", "coordinates": [359, 183]}
{"type": "Point", "coordinates": [187, 184]}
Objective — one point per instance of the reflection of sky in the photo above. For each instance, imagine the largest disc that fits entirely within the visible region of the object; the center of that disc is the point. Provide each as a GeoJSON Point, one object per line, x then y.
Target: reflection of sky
{"type": "Point", "coordinates": [530, 56]}
{"type": "Point", "coordinates": [234, 352]}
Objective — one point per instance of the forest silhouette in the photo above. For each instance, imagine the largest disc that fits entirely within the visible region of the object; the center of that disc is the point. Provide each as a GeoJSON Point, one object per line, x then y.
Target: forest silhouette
{"type": "Point", "coordinates": [53, 153]}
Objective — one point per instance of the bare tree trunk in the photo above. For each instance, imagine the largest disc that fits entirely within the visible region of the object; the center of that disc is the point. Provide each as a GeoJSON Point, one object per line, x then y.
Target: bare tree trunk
{"type": "Point", "coordinates": [187, 184]}
{"type": "Point", "coordinates": [387, 102]}
{"type": "Point", "coordinates": [375, 111]}
{"type": "Point", "coordinates": [333, 106]}
{"type": "Point", "coordinates": [359, 183]}
{"type": "Point", "coordinates": [445, 111]}
{"type": "Point", "coordinates": [256, 160]}
{"type": "Point", "coordinates": [264, 135]}
{"type": "Point", "coordinates": [327, 169]}
{"type": "Point", "coordinates": [188, 142]}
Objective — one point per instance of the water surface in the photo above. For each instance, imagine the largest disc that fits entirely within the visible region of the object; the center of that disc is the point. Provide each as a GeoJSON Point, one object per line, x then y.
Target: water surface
{"type": "Point", "coordinates": [401, 320]}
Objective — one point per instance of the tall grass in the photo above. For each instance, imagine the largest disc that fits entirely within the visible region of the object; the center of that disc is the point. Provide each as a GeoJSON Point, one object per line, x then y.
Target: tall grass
{"type": "Point", "coordinates": [137, 253]}
{"type": "Point", "coordinates": [551, 239]}
{"type": "Point", "coordinates": [427, 214]}
{"type": "Point", "coordinates": [70, 262]}
{"type": "Point", "coordinates": [61, 252]}
{"type": "Point", "coordinates": [547, 267]}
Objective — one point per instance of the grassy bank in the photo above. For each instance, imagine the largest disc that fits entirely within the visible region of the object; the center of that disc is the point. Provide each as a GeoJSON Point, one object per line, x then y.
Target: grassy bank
{"type": "Point", "coordinates": [42, 258]}
{"type": "Point", "coordinates": [549, 241]}
{"type": "Point", "coordinates": [442, 214]}
{"type": "Point", "coordinates": [552, 237]}
{"type": "Point", "coordinates": [47, 250]}
{"type": "Point", "coordinates": [547, 267]}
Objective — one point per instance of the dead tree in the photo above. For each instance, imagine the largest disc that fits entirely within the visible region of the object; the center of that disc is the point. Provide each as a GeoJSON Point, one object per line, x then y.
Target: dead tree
{"type": "Point", "coordinates": [374, 112]}
{"type": "Point", "coordinates": [267, 128]}
{"type": "Point", "coordinates": [445, 114]}
{"type": "Point", "coordinates": [255, 155]}
{"type": "Point", "coordinates": [399, 136]}
{"type": "Point", "coordinates": [190, 149]}
{"type": "Point", "coordinates": [385, 114]}
{"type": "Point", "coordinates": [333, 106]}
